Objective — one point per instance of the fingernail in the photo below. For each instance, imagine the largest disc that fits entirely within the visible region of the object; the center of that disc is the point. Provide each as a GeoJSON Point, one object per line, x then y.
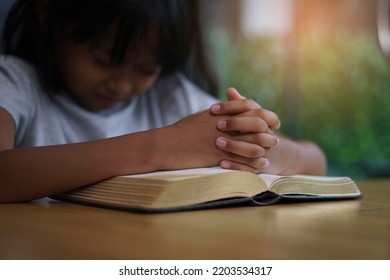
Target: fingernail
{"type": "Point", "coordinates": [221, 142]}
{"type": "Point", "coordinates": [221, 124]}
{"type": "Point", "coordinates": [215, 108]}
{"type": "Point", "coordinates": [277, 141]}
{"type": "Point", "coordinates": [266, 163]}
{"type": "Point", "coordinates": [225, 164]}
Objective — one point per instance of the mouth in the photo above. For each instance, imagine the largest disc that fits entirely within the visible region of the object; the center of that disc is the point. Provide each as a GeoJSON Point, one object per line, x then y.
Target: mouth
{"type": "Point", "coordinates": [106, 101]}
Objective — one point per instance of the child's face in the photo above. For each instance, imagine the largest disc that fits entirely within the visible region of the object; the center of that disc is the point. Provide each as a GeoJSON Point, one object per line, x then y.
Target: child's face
{"type": "Point", "coordinates": [97, 84]}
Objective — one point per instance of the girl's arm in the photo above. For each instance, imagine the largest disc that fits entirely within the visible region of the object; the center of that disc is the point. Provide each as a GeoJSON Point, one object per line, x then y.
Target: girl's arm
{"type": "Point", "coordinates": [30, 173]}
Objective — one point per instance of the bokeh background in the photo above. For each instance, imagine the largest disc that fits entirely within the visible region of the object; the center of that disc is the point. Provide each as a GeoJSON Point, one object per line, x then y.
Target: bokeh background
{"type": "Point", "coordinates": [320, 64]}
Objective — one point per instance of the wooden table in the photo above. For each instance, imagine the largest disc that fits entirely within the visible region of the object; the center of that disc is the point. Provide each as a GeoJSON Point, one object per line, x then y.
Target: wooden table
{"type": "Point", "coordinates": [354, 229]}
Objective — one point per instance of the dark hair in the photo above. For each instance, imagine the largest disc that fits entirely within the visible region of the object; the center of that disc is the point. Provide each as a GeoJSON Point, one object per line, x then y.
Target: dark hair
{"type": "Point", "coordinates": [33, 37]}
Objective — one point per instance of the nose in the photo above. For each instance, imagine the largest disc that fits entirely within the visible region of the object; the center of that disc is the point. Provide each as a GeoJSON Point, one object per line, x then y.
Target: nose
{"type": "Point", "coordinates": [120, 84]}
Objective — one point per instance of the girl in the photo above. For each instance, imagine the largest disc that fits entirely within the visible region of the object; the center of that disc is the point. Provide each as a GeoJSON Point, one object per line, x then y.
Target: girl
{"type": "Point", "coordinates": [93, 89]}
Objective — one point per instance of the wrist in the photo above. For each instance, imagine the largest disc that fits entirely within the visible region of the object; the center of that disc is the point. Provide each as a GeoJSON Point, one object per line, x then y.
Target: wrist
{"type": "Point", "coordinates": [139, 152]}
{"type": "Point", "coordinates": [311, 159]}
{"type": "Point", "coordinates": [296, 157]}
{"type": "Point", "coordinates": [158, 150]}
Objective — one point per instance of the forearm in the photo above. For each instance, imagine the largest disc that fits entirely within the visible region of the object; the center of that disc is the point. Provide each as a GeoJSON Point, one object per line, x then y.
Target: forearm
{"type": "Point", "coordinates": [29, 173]}
{"type": "Point", "coordinates": [296, 157]}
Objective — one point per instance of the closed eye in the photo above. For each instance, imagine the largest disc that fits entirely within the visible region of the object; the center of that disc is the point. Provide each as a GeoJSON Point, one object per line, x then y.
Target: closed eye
{"type": "Point", "coordinates": [102, 61]}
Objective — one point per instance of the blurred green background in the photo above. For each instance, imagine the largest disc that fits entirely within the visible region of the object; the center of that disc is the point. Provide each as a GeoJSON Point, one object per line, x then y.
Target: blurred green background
{"type": "Point", "coordinates": [343, 105]}
{"type": "Point", "coordinates": [329, 83]}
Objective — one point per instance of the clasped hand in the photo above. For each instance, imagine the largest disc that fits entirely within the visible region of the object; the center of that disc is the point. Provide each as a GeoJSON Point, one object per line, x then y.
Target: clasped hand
{"type": "Point", "coordinates": [248, 132]}
{"type": "Point", "coordinates": [235, 134]}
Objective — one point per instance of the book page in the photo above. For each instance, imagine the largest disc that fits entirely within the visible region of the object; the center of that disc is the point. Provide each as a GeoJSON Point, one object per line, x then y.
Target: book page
{"type": "Point", "coordinates": [269, 179]}
{"type": "Point", "coordinates": [182, 173]}
{"type": "Point", "coordinates": [196, 172]}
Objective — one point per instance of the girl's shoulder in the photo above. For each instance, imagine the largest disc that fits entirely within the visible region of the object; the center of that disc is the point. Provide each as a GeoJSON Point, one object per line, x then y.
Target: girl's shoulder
{"type": "Point", "coordinates": [20, 85]}
{"type": "Point", "coordinates": [18, 74]}
{"type": "Point", "coordinates": [19, 77]}
{"type": "Point", "coordinates": [15, 67]}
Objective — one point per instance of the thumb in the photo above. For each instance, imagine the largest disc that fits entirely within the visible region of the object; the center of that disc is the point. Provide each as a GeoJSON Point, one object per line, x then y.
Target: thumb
{"type": "Point", "coordinates": [232, 94]}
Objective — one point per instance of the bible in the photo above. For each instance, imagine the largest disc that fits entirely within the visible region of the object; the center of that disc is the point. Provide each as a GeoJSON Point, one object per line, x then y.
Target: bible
{"type": "Point", "coordinates": [208, 187]}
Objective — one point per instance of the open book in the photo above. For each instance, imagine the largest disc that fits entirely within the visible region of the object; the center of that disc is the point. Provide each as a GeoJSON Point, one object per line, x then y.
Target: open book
{"type": "Point", "coordinates": [207, 187]}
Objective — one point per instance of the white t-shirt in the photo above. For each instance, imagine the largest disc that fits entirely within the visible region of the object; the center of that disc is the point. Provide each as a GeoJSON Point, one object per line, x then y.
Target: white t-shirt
{"type": "Point", "coordinates": [47, 119]}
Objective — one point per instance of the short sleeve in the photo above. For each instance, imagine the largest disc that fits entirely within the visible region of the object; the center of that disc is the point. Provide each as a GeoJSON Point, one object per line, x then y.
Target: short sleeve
{"type": "Point", "coordinates": [16, 86]}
